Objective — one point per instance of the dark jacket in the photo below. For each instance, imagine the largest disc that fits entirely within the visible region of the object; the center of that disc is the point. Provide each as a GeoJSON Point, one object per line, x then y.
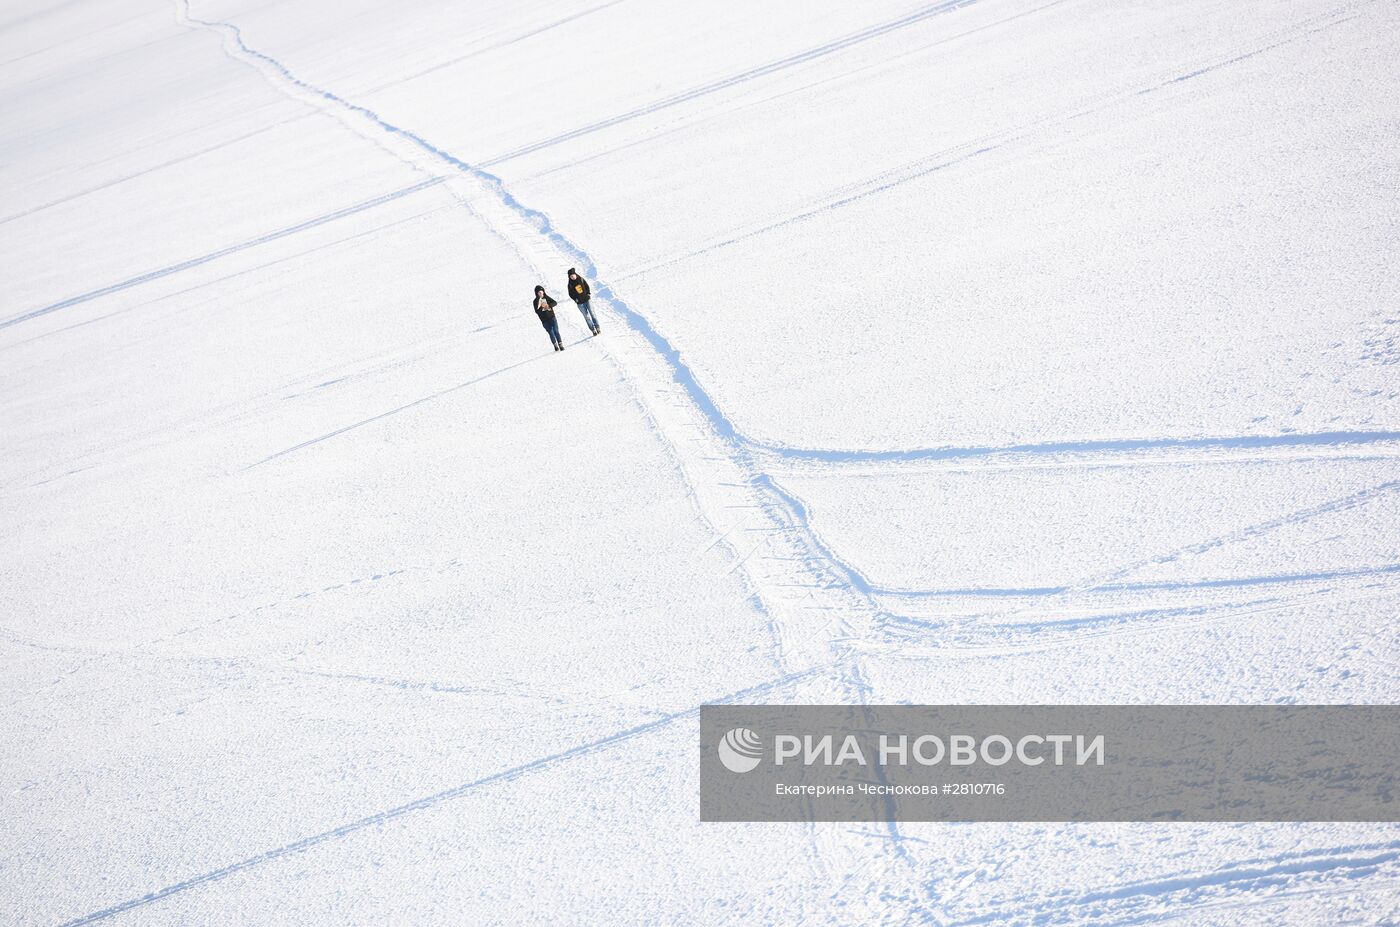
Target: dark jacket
{"type": "Point", "coordinates": [578, 287]}
{"type": "Point", "coordinates": [535, 304]}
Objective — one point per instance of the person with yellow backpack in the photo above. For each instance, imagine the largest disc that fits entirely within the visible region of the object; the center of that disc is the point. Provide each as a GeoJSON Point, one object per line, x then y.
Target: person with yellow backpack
{"type": "Point", "coordinates": [580, 292]}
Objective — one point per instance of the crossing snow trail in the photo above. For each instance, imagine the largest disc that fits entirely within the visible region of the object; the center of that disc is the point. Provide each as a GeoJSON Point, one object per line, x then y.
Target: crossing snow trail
{"type": "Point", "coordinates": [821, 568]}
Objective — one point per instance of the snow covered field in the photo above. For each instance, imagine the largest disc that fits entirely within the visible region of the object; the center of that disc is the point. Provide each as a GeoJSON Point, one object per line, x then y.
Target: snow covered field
{"type": "Point", "coordinates": [981, 351]}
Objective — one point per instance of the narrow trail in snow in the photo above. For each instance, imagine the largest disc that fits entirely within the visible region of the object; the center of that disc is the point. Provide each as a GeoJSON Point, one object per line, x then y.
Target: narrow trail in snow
{"type": "Point", "coordinates": [803, 625]}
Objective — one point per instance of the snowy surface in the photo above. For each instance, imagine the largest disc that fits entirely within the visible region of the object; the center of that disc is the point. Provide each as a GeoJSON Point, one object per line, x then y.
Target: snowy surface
{"type": "Point", "coordinates": [973, 351]}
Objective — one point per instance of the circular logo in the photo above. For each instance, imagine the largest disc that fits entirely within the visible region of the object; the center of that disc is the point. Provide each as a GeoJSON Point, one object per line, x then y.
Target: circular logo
{"type": "Point", "coordinates": [740, 750]}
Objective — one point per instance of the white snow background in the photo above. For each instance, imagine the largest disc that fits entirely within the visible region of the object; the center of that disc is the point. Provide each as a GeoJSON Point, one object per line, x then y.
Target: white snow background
{"type": "Point", "coordinates": [981, 351]}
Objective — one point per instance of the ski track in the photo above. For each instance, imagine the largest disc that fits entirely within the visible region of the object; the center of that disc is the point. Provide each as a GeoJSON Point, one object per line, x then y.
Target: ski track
{"type": "Point", "coordinates": [68, 40]}
{"type": "Point", "coordinates": [1227, 582]}
{"type": "Point", "coordinates": [1188, 887]}
{"type": "Point", "coordinates": [1109, 446]}
{"type": "Point", "coordinates": [820, 570]}
{"type": "Point", "coordinates": [1342, 503]}
{"type": "Point", "coordinates": [224, 252]}
{"type": "Point", "coordinates": [1110, 580]}
{"type": "Point", "coordinates": [949, 649]}
{"type": "Point", "coordinates": [958, 154]}
{"type": "Point", "coordinates": [189, 156]}
{"type": "Point", "coordinates": [733, 80]}
{"type": "Point", "coordinates": [890, 627]}
{"type": "Point", "coordinates": [437, 798]}
{"type": "Point", "coordinates": [356, 236]}
{"type": "Point", "coordinates": [395, 411]}
{"type": "Point", "coordinates": [489, 48]}
{"type": "Point", "coordinates": [839, 78]}
{"type": "Point", "coordinates": [1016, 638]}
{"type": "Point", "coordinates": [509, 689]}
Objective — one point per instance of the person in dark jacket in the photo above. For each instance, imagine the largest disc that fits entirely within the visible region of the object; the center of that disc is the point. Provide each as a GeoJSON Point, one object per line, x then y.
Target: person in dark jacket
{"type": "Point", "coordinates": [544, 308]}
{"type": "Point", "coordinates": [580, 292]}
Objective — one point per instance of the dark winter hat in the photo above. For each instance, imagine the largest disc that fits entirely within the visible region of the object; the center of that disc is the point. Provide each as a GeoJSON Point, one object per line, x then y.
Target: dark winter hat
{"type": "Point", "coordinates": [571, 270]}
{"type": "Point", "coordinates": [539, 289]}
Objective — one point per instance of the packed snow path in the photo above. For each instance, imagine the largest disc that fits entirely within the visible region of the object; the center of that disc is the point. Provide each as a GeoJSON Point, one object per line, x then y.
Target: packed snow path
{"type": "Point", "coordinates": [1050, 565]}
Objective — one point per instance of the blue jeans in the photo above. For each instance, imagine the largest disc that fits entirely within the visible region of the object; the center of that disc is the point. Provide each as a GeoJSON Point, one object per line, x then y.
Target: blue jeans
{"type": "Point", "coordinates": [551, 325]}
{"type": "Point", "coordinates": [588, 316]}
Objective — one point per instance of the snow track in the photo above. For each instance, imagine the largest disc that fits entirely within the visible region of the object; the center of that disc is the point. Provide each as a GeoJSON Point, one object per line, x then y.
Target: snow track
{"type": "Point", "coordinates": [865, 35]}
{"type": "Point", "coordinates": [426, 802]}
{"type": "Point", "coordinates": [1148, 902]}
{"type": "Point", "coordinates": [893, 178]}
{"type": "Point", "coordinates": [808, 591]}
{"type": "Point", "coordinates": [153, 275]}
